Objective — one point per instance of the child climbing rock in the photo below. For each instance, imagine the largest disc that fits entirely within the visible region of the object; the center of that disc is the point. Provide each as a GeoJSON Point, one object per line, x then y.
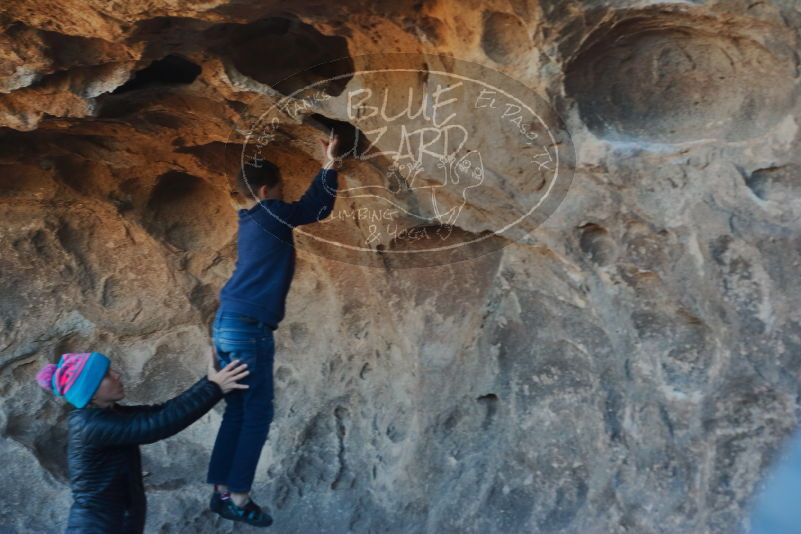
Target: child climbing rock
{"type": "Point", "coordinates": [251, 307]}
{"type": "Point", "coordinates": [104, 437]}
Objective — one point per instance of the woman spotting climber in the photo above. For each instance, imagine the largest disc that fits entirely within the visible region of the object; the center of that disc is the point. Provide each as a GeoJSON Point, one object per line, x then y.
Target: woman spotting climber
{"type": "Point", "coordinates": [104, 437]}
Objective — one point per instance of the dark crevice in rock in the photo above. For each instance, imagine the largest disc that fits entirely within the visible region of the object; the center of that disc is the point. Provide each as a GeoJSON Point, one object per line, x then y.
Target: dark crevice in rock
{"type": "Point", "coordinates": [665, 416]}
{"type": "Point", "coordinates": [239, 107]}
{"type": "Point", "coordinates": [352, 140]}
{"type": "Point", "coordinates": [203, 298]}
{"type": "Point", "coordinates": [172, 69]}
{"type": "Point", "coordinates": [47, 444]}
{"type": "Point", "coordinates": [596, 243]}
{"type": "Point", "coordinates": [779, 184]}
{"type": "Point", "coordinates": [6, 362]}
{"type": "Point", "coordinates": [612, 408]}
{"type": "Point", "coordinates": [343, 478]}
{"type": "Point", "coordinates": [365, 370]}
{"type": "Point", "coordinates": [217, 157]}
{"type": "Point", "coordinates": [284, 53]}
{"type": "Point", "coordinates": [490, 401]}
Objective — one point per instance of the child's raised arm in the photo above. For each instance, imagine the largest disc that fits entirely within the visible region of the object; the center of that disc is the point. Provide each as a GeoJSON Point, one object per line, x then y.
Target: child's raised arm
{"type": "Point", "coordinates": [316, 203]}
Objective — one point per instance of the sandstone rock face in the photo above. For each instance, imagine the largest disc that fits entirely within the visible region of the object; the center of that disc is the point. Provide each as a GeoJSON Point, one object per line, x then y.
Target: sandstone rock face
{"type": "Point", "coordinates": [628, 363]}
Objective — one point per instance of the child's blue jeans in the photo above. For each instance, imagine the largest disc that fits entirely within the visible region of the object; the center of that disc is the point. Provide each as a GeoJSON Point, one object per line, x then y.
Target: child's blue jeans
{"type": "Point", "coordinates": [248, 412]}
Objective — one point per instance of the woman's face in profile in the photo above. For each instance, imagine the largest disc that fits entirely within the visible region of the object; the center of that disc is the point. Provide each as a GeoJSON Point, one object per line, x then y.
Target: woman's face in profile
{"type": "Point", "coordinates": [111, 388]}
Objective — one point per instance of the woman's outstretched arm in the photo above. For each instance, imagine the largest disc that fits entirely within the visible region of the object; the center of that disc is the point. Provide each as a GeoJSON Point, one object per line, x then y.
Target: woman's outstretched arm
{"type": "Point", "coordinates": [148, 424]}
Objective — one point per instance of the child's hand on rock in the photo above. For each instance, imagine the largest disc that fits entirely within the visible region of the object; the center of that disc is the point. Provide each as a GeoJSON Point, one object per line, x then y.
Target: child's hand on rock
{"type": "Point", "coordinates": [228, 376]}
{"type": "Point", "coordinates": [331, 148]}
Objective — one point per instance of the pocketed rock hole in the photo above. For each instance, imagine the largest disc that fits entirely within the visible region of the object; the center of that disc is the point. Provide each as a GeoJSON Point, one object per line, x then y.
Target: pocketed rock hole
{"type": "Point", "coordinates": [596, 243]}
{"type": "Point", "coordinates": [665, 76]}
{"type": "Point", "coordinates": [778, 184]}
{"type": "Point", "coordinates": [188, 212]}
{"type": "Point", "coordinates": [490, 402]}
{"type": "Point", "coordinates": [352, 141]}
{"type": "Point", "coordinates": [504, 37]}
{"type": "Point", "coordinates": [170, 70]}
{"type": "Point", "coordinates": [48, 445]}
{"type": "Point", "coordinates": [285, 54]}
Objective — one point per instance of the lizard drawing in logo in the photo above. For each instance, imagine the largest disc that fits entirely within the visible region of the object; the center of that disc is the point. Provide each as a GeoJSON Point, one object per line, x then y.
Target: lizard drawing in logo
{"type": "Point", "coordinates": [430, 192]}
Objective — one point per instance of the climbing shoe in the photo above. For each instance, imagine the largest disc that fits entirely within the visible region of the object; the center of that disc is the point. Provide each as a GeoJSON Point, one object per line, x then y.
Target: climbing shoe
{"type": "Point", "coordinates": [251, 513]}
{"type": "Point", "coordinates": [217, 498]}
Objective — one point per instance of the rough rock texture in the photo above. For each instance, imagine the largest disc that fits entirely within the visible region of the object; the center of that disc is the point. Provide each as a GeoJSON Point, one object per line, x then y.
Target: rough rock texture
{"type": "Point", "coordinates": [631, 365]}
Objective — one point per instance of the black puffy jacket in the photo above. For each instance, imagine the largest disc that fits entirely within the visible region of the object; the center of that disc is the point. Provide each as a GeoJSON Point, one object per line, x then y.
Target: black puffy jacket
{"type": "Point", "coordinates": [104, 462]}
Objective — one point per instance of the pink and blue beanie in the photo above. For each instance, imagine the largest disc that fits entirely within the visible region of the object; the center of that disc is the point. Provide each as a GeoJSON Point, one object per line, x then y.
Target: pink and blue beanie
{"type": "Point", "coordinates": [76, 377]}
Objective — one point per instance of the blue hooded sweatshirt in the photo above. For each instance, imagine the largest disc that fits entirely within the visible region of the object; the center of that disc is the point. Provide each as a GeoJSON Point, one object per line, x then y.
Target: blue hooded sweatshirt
{"type": "Point", "coordinates": [265, 260]}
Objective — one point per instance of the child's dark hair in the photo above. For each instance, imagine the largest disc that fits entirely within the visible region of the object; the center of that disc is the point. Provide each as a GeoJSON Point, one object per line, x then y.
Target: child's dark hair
{"type": "Point", "coordinates": [251, 178]}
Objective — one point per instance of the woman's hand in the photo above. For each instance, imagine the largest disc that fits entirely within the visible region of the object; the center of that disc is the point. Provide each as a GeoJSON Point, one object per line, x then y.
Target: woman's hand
{"type": "Point", "coordinates": [228, 376]}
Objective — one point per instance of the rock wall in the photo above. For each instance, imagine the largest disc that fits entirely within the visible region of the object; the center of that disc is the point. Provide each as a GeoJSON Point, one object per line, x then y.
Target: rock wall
{"type": "Point", "coordinates": [631, 363]}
